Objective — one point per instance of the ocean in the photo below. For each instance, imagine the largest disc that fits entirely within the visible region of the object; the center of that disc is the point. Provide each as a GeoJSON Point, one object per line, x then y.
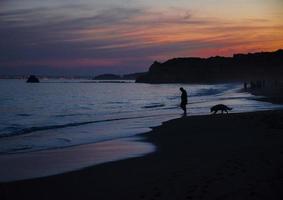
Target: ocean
{"type": "Point", "coordinates": [62, 113]}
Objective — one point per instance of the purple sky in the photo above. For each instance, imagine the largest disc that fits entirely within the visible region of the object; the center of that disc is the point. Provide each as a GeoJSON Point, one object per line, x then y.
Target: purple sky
{"type": "Point", "coordinates": [64, 37]}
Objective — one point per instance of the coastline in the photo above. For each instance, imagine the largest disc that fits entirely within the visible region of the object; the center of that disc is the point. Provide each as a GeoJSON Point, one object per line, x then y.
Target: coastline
{"type": "Point", "coordinates": [200, 157]}
{"type": "Point", "coordinates": [268, 97]}
{"type": "Point", "coordinates": [45, 163]}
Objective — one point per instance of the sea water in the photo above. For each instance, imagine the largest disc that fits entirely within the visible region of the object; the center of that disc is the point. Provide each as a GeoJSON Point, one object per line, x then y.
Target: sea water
{"type": "Point", "coordinates": [62, 113]}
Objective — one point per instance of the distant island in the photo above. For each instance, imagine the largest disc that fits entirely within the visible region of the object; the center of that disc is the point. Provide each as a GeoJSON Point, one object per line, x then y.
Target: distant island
{"type": "Point", "coordinates": [32, 79]}
{"type": "Point", "coordinates": [107, 77]}
{"type": "Point", "coordinates": [132, 76]}
{"type": "Point", "coordinates": [240, 67]}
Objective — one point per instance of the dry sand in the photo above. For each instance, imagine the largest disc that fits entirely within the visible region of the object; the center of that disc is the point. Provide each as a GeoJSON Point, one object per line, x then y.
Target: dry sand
{"type": "Point", "coordinates": [235, 156]}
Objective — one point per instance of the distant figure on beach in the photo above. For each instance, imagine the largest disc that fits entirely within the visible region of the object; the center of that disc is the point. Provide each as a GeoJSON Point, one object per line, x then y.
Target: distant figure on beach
{"type": "Point", "coordinates": [184, 100]}
{"type": "Point", "coordinates": [245, 86]}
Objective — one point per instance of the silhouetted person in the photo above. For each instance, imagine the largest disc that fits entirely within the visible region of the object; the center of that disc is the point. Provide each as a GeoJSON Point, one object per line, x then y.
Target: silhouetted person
{"type": "Point", "coordinates": [253, 85]}
{"type": "Point", "coordinates": [184, 100]}
{"type": "Point", "coordinates": [245, 86]}
{"type": "Point", "coordinates": [258, 84]}
{"type": "Point", "coordinates": [263, 83]}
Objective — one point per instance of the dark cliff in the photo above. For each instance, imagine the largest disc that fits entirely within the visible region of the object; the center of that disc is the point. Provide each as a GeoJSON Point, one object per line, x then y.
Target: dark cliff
{"type": "Point", "coordinates": [240, 67]}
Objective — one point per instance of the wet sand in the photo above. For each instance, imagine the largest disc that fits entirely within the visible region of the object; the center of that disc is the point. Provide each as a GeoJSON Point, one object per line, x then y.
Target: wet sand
{"type": "Point", "coordinates": [23, 166]}
{"type": "Point", "coordinates": [235, 156]}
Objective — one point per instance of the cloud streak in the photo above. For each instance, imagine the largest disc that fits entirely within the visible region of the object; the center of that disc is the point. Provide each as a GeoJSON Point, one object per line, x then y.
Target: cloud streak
{"type": "Point", "coordinates": [124, 36]}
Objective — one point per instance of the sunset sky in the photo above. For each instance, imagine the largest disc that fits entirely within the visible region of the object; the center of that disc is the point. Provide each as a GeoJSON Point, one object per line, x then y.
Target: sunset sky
{"type": "Point", "coordinates": [88, 37]}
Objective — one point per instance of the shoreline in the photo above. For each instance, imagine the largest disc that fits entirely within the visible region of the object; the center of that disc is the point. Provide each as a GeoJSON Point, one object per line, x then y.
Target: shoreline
{"type": "Point", "coordinates": [21, 166]}
{"type": "Point", "coordinates": [273, 100]}
{"type": "Point", "coordinates": [52, 162]}
{"type": "Point", "coordinates": [192, 152]}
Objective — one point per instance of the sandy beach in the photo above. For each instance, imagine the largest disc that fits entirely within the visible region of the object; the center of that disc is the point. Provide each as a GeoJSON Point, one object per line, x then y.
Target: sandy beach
{"type": "Point", "coordinates": [234, 156]}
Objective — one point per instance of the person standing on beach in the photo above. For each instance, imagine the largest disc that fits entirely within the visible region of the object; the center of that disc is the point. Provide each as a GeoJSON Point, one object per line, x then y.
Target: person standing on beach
{"type": "Point", "coordinates": [184, 100]}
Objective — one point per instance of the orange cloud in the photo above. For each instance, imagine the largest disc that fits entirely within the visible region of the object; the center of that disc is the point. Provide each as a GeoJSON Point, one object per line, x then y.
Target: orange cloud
{"type": "Point", "coordinates": [151, 30]}
{"type": "Point", "coordinates": [119, 37]}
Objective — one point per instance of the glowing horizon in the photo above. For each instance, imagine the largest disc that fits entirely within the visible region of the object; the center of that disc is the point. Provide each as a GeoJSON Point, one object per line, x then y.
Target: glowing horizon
{"type": "Point", "coordinates": [127, 36]}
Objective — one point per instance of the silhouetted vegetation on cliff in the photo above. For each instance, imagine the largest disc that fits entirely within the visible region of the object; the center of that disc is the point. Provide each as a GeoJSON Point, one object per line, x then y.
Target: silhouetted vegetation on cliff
{"type": "Point", "coordinates": [240, 67]}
